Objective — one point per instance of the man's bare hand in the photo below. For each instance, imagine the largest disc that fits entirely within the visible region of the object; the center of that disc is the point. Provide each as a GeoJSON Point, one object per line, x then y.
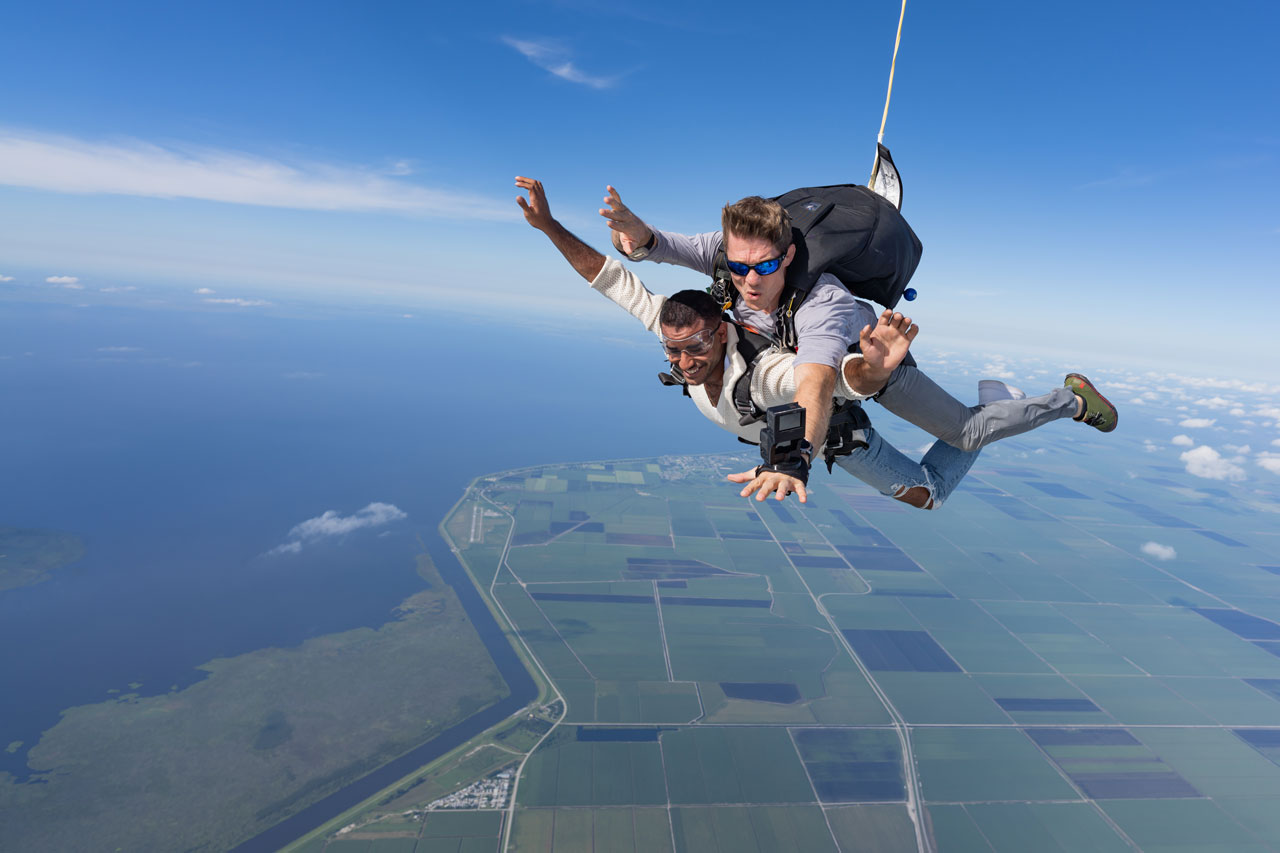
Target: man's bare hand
{"type": "Point", "coordinates": [769, 483]}
{"type": "Point", "coordinates": [630, 231]}
{"type": "Point", "coordinates": [536, 210]}
{"type": "Point", "coordinates": [883, 346]}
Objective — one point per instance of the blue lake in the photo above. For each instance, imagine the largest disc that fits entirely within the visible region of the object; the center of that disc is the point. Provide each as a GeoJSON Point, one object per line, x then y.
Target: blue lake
{"type": "Point", "coordinates": [184, 445]}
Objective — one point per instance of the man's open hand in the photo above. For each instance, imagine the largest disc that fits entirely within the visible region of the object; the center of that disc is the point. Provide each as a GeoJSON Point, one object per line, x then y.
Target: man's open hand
{"type": "Point", "coordinates": [884, 346]}
{"type": "Point", "coordinates": [536, 210]}
{"type": "Point", "coordinates": [770, 483]}
{"type": "Point", "coordinates": [631, 232]}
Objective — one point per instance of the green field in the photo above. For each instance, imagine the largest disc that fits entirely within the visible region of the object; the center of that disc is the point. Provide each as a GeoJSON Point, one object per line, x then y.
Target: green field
{"type": "Point", "coordinates": [742, 677]}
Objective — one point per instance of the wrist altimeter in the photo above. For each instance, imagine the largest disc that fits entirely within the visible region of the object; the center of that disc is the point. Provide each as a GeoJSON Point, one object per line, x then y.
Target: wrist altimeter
{"type": "Point", "coordinates": [643, 251]}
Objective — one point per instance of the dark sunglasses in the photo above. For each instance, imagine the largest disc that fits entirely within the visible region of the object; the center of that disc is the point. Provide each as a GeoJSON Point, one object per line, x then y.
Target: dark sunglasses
{"type": "Point", "coordinates": [763, 268]}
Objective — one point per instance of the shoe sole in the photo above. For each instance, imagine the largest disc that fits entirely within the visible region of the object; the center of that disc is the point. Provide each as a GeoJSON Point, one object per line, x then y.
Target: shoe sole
{"type": "Point", "coordinates": [1084, 380]}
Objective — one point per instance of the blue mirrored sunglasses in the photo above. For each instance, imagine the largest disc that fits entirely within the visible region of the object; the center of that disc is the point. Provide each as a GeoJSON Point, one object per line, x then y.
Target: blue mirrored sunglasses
{"type": "Point", "coordinates": [763, 268]}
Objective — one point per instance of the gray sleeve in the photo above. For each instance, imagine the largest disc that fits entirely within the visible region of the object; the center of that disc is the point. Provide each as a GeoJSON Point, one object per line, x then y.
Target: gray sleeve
{"type": "Point", "coordinates": [829, 321]}
{"type": "Point", "coordinates": [695, 251]}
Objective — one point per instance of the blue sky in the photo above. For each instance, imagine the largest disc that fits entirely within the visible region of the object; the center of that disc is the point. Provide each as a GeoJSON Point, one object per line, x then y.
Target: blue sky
{"type": "Point", "coordinates": [1094, 175]}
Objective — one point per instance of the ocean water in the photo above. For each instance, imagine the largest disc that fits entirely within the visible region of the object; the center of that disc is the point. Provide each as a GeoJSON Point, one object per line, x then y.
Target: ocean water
{"type": "Point", "coordinates": [182, 446]}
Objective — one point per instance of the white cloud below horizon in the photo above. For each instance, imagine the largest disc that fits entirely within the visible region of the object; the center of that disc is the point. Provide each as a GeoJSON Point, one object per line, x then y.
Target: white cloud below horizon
{"type": "Point", "coordinates": [1158, 551]}
{"type": "Point", "coordinates": [238, 301]}
{"type": "Point", "coordinates": [1208, 463]}
{"type": "Point", "coordinates": [137, 168]}
{"type": "Point", "coordinates": [332, 523]}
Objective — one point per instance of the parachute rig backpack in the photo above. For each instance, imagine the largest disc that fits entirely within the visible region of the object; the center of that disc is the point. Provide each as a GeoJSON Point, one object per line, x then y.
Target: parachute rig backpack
{"type": "Point", "coordinates": [846, 230]}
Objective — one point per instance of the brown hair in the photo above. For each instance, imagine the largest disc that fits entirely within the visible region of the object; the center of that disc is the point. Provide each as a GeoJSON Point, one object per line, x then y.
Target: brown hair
{"type": "Point", "coordinates": [756, 218]}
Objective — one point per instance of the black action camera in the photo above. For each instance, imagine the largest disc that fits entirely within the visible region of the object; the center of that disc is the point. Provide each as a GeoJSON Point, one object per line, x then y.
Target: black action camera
{"type": "Point", "coordinates": [783, 434]}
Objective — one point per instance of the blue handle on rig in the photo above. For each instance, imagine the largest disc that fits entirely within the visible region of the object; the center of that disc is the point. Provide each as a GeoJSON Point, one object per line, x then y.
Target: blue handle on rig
{"type": "Point", "coordinates": [909, 294]}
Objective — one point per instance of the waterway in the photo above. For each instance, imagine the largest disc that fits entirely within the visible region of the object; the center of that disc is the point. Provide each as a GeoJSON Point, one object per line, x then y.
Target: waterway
{"type": "Point", "coordinates": [183, 445]}
{"type": "Point", "coordinates": [523, 691]}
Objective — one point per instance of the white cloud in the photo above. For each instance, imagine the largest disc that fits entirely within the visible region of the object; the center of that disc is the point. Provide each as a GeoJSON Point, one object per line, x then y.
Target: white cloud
{"type": "Point", "coordinates": [287, 548]}
{"type": "Point", "coordinates": [553, 58]}
{"type": "Point", "coordinates": [62, 279]}
{"type": "Point", "coordinates": [1197, 423]}
{"type": "Point", "coordinates": [1269, 461]}
{"type": "Point", "coordinates": [1275, 442]}
{"type": "Point", "coordinates": [1237, 412]}
{"type": "Point", "coordinates": [1272, 412]}
{"type": "Point", "coordinates": [333, 524]}
{"type": "Point", "coordinates": [1237, 448]}
{"type": "Point", "coordinates": [136, 168]}
{"type": "Point", "coordinates": [1160, 552]}
{"type": "Point", "coordinates": [204, 291]}
{"type": "Point", "coordinates": [1149, 446]}
{"type": "Point", "coordinates": [125, 288]}
{"type": "Point", "coordinates": [1183, 441]}
{"type": "Point", "coordinates": [1215, 403]}
{"type": "Point", "coordinates": [6, 278]}
{"type": "Point", "coordinates": [235, 300]}
{"type": "Point", "coordinates": [1206, 462]}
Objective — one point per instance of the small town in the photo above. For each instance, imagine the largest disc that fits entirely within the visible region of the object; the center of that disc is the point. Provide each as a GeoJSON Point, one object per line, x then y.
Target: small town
{"type": "Point", "coordinates": [490, 792]}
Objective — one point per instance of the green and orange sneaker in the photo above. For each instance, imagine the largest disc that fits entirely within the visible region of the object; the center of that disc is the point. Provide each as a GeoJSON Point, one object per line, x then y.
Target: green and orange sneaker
{"type": "Point", "coordinates": [1098, 411]}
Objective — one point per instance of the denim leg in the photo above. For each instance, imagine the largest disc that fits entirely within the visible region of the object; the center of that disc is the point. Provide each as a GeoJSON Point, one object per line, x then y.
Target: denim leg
{"type": "Point", "coordinates": [918, 400]}
{"type": "Point", "coordinates": [887, 470]}
{"type": "Point", "coordinates": [946, 467]}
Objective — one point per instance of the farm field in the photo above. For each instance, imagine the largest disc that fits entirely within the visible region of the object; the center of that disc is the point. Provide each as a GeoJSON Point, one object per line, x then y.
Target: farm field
{"type": "Point", "coordinates": [1015, 673]}
{"type": "Point", "coordinates": [745, 676]}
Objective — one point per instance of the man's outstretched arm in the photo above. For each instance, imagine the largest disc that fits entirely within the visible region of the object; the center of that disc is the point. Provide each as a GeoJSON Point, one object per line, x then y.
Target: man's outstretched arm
{"type": "Point", "coordinates": [586, 260]}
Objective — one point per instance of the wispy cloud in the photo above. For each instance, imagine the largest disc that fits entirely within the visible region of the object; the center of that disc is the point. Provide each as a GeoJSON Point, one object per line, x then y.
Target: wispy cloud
{"type": "Point", "coordinates": [1197, 423]}
{"type": "Point", "coordinates": [236, 300]}
{"type": "Point", "coordinates": [1160, 552]}
{"type": "Point", "coordinates": [119, 288]}
{"type": "Point", "coordinates": [287, 548]}
{"type": "Point", "coordinates": [1208, 463]}
{"type": "Point", "coordinates": [204, 291]}
{"type": "Point", "coordinates": [62, 279]}
{"type": "Point", "coordinates": [6, 278]}
{"type": "Point", "coordinates": [332, 523]}
{"type": "Point", "coordinates": [138, 168]}
{"type": "Point", "coordinates": [119, 349]}
{"type": "Point", "coordinates": [554, 58]}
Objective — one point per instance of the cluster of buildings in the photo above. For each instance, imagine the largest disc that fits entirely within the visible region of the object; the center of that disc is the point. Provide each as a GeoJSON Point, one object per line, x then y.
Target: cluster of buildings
{"type": "Point", "coordinates": [490, 792]}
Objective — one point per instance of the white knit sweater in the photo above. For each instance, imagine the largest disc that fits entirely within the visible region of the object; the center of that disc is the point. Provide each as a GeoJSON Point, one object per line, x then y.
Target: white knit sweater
{"type": "Point", "coordinates": [772, 384]}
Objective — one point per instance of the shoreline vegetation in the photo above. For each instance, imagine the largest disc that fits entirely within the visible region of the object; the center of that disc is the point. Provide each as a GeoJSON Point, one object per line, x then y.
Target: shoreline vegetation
{"type": "Point", "coordinates": [477, 540]}
{"type": "Point", "coordinates": [266, 734]}
{"type": "Point", "coordinates": [29, 555]}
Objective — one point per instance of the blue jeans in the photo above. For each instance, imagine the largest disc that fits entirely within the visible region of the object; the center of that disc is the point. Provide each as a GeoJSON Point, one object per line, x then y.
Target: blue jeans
{"type": "Point", "coordinates": [883, 467]}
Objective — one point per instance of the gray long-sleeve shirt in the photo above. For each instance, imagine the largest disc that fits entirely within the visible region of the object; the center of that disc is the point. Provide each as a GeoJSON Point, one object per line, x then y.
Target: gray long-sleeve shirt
{"type": "Point", "coordinates": [827, 322]}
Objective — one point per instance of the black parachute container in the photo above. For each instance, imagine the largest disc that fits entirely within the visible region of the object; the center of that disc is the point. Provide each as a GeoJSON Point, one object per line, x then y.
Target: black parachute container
{"type": "Point", "coordinates": [854, 234]}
